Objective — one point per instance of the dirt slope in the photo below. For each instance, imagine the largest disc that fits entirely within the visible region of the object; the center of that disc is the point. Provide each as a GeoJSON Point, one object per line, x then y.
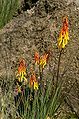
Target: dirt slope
{"type": "Point", "coordinates": [37, 29]}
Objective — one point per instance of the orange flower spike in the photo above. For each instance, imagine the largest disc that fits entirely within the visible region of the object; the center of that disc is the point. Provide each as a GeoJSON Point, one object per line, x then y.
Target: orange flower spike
{"type": "Point", "coordinates": [33, 81]}
{"type": "Point", "coordinates": [22, 66]}
{"type": "Point", "coordinates": [64, 35]}
{"type": "Point", "coordinates": [43, 60]}
{"type": "Point", "coordinates": [21, 71]}
{"type": "Point", "coordinates": [36, 57]}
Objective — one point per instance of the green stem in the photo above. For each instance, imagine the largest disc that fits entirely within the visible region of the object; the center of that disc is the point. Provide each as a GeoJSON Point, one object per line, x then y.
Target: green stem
{"type": "Point", "coordinates": [58, 67]}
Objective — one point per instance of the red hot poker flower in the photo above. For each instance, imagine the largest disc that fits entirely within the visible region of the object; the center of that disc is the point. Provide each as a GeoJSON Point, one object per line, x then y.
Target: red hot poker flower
{"type": "Point", "coordinates": [22, 66]}
{"type": "Point", "coordinates": [36, 57]}
{"type": "Point", "coordinates": [21, 75]}
{"type": "Point", "coordinates": [33, 81]}
{"type": "Point", "coordinates": [41, 60]}
{"type": "Point", "coordinates": [64, 35]}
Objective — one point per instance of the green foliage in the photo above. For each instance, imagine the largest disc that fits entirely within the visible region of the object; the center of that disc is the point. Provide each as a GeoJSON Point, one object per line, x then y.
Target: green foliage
{"type": "Point", "coordinates": [55, 103]}
{"type": "Point", "coordinates": [41, 103]}
{"type": "Point", "coordinates": [7, 9]}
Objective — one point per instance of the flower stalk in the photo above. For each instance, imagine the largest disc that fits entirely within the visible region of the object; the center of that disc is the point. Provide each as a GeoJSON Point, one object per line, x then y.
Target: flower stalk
{"type": "Point", "coordinates": [58, 68]}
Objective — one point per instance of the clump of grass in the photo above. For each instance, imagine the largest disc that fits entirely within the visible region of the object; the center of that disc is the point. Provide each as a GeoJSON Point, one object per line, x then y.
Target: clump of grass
{"type": "Point", "coordinates": [7, 9]}
{"type": "Point", "coordinates": [36, 98]}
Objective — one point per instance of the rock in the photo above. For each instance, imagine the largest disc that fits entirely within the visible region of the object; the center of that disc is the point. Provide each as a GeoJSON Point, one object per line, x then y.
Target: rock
{"type": "Point", "coordinates": [38, 30]}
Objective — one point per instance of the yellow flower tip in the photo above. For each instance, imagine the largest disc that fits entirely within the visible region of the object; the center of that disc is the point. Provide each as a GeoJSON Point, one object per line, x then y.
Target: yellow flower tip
{"type": "Point", "coordinates": [43, 60]}
{"type": "Point", "coordinates": [36, 85]}
{"type": "Point", "coordinates": [64, 35]}
{"type": "Point", "coordinates": [18, 89]}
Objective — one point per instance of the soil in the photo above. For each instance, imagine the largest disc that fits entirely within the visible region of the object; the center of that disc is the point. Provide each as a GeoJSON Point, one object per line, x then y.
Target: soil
{"type": "Point", "coordinates": [37, 29]}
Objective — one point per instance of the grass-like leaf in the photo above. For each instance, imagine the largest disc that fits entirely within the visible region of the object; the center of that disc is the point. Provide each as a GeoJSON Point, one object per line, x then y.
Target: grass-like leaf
{"type": "Point", "coordinates": [42, 102]}
{"type": "Point", "coordinates": [7, 9]}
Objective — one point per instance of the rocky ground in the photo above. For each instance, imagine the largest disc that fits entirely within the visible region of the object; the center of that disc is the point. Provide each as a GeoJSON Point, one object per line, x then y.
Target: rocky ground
{"type": "Point", "coordinates": [37, 29]}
